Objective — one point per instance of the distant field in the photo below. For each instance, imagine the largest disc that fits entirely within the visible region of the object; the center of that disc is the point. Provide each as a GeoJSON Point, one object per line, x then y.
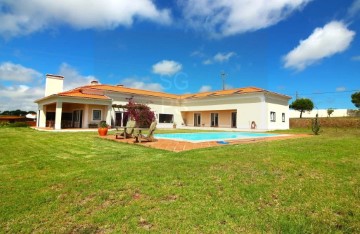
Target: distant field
{"type": "Point", "coordinates": [332, 122]}
{"type": "Point", "coordinates": [79, 183]}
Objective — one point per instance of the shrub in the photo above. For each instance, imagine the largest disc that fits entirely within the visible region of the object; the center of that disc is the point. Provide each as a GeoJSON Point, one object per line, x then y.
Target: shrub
{"type": "Point", "coordinates": [18, 125]}
{"type": "Point", "coordinates": [103, 124]}
{"type": "Point", "coordinates": [4, 124]}
{"type": "Point", "coordinates": [315, 125]}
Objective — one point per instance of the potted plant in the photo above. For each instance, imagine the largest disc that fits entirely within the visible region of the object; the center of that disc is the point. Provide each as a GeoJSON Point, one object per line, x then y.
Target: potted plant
{"type": "Point", "coordinates": [103, 128]}
{"type": "Point", "coordinates": [174, 125]}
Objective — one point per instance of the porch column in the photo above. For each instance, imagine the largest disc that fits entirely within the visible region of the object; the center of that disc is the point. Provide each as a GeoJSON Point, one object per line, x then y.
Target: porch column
{"type": "Point", "coordinates": [238, 119]}
{"type": "Point", "coordinates": [42, 116]}
{"type": "Point", "coordinates": [108, 115]}
{"type": "Point", "coordinates": [58, 114]}
{"type": "Point", "coordinates": [86, 116]}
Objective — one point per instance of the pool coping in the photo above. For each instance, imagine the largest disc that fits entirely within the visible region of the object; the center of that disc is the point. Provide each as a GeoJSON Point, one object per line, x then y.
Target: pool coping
{"type": "Point", "coordinates": [180, 146]}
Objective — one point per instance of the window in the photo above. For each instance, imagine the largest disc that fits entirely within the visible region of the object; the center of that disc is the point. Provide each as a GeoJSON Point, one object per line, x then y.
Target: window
{"type": "Point", "coordinates": [283, 117]}
{"type": "Point", "coordinates": [214, 119]}
{"type": "Point", "coordinates": [197, 119]}
{"type": "Point", "coordinates": [272, 116]}
{"type": "Point", "coordinates": [166, 118]}
{"type": "Point", "coordinates": [96, 115]}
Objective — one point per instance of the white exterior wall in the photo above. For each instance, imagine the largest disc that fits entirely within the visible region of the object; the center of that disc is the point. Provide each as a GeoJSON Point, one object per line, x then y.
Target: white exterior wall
{"type": "Point", "coordinates": [248, 107]}
{"type": "Point", "coordinates": [279, 107]}
{"type": "Point", "coordinates": [321, 112]}
{"type": "Point", "coordinates": [249, 112]}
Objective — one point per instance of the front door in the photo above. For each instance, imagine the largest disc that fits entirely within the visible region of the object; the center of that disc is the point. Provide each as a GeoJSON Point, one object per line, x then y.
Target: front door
{"type": "Point", "coordinates": [233, 119]}
{"type": "Point", "coordinates": [197, 119]}
{"type": "Point", "coordinates": [77, 119]}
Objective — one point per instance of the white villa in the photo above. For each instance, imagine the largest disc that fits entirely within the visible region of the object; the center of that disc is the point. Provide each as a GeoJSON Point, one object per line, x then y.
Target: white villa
{"type": "Point", "coordinates": [85, 106]}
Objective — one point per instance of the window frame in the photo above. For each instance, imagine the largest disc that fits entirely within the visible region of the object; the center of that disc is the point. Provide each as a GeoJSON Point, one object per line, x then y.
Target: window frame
{"type": "Point", "coordinates": [172, 119]}
{"type": "Point", "coordinates": [272, 116]}
{"type": "Point", "coordinates": [283, 117]}
{"type": "Point", "coordinates": [93, 115]}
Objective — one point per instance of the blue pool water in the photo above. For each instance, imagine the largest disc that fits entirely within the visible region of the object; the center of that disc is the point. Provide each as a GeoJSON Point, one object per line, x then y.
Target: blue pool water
{"type": "Point", "coordinates": [213, 136]}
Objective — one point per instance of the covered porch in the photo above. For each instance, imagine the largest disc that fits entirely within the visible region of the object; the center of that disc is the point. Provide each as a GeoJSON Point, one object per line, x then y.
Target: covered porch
{"type": "Point", "coordinates": [68, 113]}
{"type": "Point", "coordinates": [210, 118]}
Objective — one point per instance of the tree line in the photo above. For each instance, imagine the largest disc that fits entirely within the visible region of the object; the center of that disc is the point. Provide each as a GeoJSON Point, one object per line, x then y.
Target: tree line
{"type": "Point", "coordinates": [17, 112]}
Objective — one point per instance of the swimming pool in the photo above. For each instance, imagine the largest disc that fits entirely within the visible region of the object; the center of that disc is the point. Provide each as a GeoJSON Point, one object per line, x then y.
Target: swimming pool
{"type": "Point", "coordinates": [213, 136]}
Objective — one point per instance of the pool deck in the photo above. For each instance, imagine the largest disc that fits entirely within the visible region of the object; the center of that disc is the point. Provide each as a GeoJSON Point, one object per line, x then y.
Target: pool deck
{"type": "Point", "coordinates": [179, 146]}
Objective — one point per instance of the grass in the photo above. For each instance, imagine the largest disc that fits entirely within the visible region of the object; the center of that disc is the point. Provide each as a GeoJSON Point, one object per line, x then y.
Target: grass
{"type": "Point", "coordinates": [78, 183]}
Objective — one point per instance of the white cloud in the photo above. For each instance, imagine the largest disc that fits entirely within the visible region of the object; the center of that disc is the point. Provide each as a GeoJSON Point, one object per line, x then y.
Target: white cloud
{"type": "Point", "coordinates": [354, 8]}
{"type": "Point", "coordinates": [324, 42]}
{"type": "Point", "coordinates": [207, 62]}
{"type": "Point", "coordinates": [205, 88]}
{"type": "Point", "coordinates": [340, 89]}
{"type": "Point", "coordinates": [219, 58]}
{"type": "Point", "coordinates": [137, 83]}
{"type": "Point", "coordinates": [197, 53]}
{"type": "Point", "coordinates": [22, 96]}
{"type": "Point", "coordinates": [72, 78]}
{"type": "Point", "coordinates": [17, 73]}
{"type": "Point", "coordinates": [166, 67]}
{"type": "Point", "coordinates": [356, 58]}
{"type": "Point", "coordinates": [222, 57]}
{"type": "Point", "coordinates": [230, 17]}
{"type": "Point", "coordinates": [23, 17]}
{"type": "Point", "coordinates": [19, 97]}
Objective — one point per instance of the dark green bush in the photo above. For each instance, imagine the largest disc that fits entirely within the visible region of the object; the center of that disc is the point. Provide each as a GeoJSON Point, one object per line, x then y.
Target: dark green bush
{"type": "Point", "coordinates": [18, 125]}
{"type": "Point", "coordinates": [315, 125]}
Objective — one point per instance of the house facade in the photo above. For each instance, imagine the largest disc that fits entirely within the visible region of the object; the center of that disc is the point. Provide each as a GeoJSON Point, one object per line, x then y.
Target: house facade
{"type": "Point", "coordinates": [85, 106]}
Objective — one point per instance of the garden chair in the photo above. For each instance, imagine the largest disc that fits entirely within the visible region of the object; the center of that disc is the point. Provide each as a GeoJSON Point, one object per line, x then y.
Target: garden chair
{"type": "Point", "coordinates": [127, 131]}
{"type": "Point", "coordinates": [149, 137]}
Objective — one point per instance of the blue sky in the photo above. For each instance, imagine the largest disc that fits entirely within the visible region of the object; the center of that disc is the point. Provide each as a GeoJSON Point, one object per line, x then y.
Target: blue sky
{"type": "Point", "coordinates": [309, 47]}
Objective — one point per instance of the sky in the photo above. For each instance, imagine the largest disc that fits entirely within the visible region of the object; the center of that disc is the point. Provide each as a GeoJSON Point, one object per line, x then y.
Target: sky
{"type": "Point", "coordinates": [301, 48]}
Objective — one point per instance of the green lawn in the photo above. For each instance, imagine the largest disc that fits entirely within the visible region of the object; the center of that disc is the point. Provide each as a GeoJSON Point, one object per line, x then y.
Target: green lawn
{"type": "Point", "coordinates": [76, 182]}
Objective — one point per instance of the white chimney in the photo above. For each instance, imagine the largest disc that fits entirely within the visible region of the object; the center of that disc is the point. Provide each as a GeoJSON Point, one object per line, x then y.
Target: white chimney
{"type": "Point", "coordinates": [54, 84]}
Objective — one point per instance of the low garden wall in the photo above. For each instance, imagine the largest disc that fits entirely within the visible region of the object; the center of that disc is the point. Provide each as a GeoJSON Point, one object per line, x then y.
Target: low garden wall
{"type": "Point", "coordinates": [332, 122]}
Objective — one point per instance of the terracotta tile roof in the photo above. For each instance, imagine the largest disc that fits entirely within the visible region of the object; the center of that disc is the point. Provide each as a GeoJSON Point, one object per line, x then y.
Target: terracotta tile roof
{"type": "Point", "coordinates": [84, 93]}
{"type": "Point", "coordinates": [98, 92]}
{"type": "Point", "coordinates": [124, 89]}
{"type": "Point", "coordinates": [223, 92]}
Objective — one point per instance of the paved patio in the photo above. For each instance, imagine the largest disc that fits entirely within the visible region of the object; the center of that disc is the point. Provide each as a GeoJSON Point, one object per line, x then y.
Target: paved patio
{"type": "Point", "coordinates": [178, 146]}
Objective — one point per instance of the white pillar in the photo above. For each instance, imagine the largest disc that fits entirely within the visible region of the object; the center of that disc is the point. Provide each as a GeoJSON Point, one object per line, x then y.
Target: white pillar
{"type": "Point", "coordinates": [108, 115]}
{"type": "Point", "coordinates": [86, 116]}
{"type": "Point", "coordinates": [42, 116]}
{"type": "Point", "coordinates": [238, 118]}
{"type": "Point", "coordinates": [58, 114]}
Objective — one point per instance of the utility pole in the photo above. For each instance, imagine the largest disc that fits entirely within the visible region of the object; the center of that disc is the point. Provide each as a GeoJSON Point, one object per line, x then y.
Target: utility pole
{"type": "Point", "coordinates": [223, 77]}
{"type": "Point", "coordinates": [297, 95]}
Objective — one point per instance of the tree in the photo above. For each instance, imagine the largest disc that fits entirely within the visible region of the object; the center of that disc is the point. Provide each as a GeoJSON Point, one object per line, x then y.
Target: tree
{"type": "Point", "coordinates": [330, 111]}
{"type": "Point", "coordinates": [302, 105]}
{"type": "Point", "coordinates": [355, 98]}
{"type": "Point", "coordinates": [16, 112]}
{"type": "Point", "coordinates": [141, 113]}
